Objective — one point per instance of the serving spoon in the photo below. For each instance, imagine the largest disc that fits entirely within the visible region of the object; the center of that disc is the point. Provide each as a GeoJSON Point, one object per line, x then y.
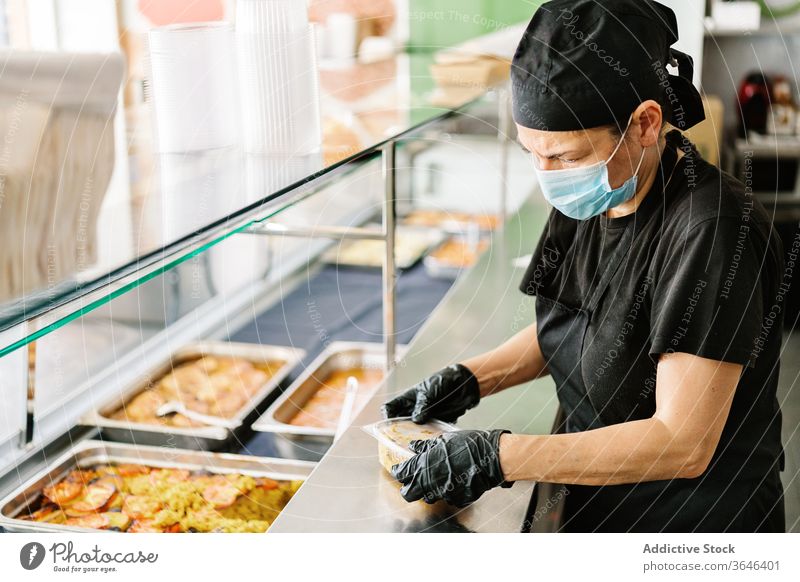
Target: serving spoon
{"type": "Point", "coordinates": [176, 407]}
{"type": "Point", "coordinates": [351, 391]}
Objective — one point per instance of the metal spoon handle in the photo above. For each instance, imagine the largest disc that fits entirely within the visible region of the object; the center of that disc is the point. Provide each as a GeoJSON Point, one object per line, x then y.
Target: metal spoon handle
{"type": "Point", "coordinates": [347, 407]}
{"type": "Point", "coordinates": [180, 408]}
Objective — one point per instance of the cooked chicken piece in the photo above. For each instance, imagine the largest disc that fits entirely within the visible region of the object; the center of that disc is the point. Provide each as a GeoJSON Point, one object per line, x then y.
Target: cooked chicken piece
{"type": "Point", "coordinates": [91, 521]}
{"type": "Point", "coordinates": [143, 406]}
{"type": "Point", "coordinates": [227, 405]}
{"type": "Point", "coordinates": [63, 492]}
{"type": "Point", "coordinates": [185, 378]}
{"type": "Point", "coordinates": [83, 476]}
{"type": "Point", "coordinates": [94, 497]}
{"type": "Point", "coordinates": [221, 495]}
{"type": "Point", "coordinates": [129, 470]}
{"type": "Point", "coordinates": [208, 364]}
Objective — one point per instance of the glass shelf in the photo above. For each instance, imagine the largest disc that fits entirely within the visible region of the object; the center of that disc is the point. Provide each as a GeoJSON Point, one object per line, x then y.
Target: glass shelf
{"type": "Point", "coordinates": [162, 210]}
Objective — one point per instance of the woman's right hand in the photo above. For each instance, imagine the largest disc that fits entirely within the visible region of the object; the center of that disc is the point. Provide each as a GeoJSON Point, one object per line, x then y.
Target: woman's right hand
{"type": "Point", "coordinates": [445, 395]}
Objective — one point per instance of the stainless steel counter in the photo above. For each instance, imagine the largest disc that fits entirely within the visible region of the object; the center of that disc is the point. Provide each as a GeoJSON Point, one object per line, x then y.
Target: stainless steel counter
{"type": "Point", "coordinates": [350, 492]}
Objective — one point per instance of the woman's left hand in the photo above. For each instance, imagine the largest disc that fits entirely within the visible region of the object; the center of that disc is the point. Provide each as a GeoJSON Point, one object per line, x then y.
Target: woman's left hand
{"type": "Point", "coordinates": [457, 467]}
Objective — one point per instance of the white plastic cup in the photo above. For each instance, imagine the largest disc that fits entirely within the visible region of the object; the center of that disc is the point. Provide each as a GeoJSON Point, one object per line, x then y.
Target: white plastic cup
{"type": "Point", "coordinates": [279, 92]}
{"type": "Point", "coordinates": [341, 35]}
{"type": "Point", "coordinates": [271, 16]}
{"type": "Point", "coordinates": [193, 86]}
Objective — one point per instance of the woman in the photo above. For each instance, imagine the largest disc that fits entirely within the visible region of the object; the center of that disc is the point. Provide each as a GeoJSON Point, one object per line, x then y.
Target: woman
{"type": "Point", "coordinates": [658, 284]}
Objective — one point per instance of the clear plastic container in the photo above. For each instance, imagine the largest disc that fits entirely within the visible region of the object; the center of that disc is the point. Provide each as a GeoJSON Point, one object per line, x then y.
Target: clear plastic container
{"type": "Point", "coordinates": [394, 435]}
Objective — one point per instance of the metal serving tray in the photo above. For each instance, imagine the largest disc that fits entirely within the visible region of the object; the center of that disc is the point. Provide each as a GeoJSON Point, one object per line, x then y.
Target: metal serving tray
{"type": "Point", "coordinates": [430, 237]}
{"type": "Point", "coordinates": [88, 453]}
{"type": "Point", "coordinates": [451, 226]}
{"type": "Point", "coordinates": [438, 269]}
{"type": "Point", "coordinates": [308, 442]}
{"type": "Point", "coordinates": [203, 437]}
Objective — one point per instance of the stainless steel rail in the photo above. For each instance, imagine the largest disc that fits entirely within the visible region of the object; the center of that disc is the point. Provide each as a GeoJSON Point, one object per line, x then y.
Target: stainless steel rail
{"type": "Point", "coordinates": [386, 234]}
{"type": "Point", "coordinates": [389, 259]}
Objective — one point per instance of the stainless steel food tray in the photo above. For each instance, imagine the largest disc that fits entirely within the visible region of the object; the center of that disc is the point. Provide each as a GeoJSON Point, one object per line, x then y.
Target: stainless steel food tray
{"type": "Point", "coordinates": [441, 270]}
{"type": "Point", "coordinates": [204, 437]}
{"type": "Point", "coordinates": [311, 443]}
{"type": "Point", "coordinates": [431, 237]}
{"type": "Point", "coordinates": [89, 453]}
{"type": "Point", "coordinates": [451, 226]}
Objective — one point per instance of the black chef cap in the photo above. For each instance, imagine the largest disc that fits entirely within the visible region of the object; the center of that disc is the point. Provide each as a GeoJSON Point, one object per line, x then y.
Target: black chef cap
{"type": "Point", "coordinates": [585, 63]}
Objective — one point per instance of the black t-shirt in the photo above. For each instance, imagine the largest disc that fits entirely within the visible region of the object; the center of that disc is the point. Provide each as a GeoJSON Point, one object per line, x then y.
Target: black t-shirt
{"type": "Point", "coordinates": [703, 275]}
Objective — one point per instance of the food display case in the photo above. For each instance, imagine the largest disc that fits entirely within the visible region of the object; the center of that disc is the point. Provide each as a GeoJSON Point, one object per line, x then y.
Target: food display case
{"type": "Point", "coordinates": [194, 247]}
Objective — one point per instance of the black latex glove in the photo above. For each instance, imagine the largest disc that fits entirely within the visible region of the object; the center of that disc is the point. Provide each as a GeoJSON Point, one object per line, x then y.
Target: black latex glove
{"type": "Point", "coordinates": [457, 467]}
{"type": "Point", "coordinates": [446, 395]}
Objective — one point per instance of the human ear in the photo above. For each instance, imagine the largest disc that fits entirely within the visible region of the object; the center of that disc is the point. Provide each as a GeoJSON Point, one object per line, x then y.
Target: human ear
{"type": "Point", "coordinates": [647, 122]}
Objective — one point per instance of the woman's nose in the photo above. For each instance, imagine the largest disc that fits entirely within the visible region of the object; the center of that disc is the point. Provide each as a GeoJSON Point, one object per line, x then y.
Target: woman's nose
{"type": "Point", "coordinates": [545, 164]}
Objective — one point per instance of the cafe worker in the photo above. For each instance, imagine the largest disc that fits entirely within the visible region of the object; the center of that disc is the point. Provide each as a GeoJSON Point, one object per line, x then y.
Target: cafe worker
{"type": "Point", "coordinates": [658, 283]}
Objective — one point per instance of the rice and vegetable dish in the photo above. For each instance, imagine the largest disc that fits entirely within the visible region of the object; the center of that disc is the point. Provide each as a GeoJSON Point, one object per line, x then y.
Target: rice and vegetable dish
{"type": "Point", "coordinates": [137, 498]}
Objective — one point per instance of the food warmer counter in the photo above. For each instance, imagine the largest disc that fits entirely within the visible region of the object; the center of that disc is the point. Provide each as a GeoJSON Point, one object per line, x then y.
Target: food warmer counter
{"type": "Point", "coordinates": [185, 278]}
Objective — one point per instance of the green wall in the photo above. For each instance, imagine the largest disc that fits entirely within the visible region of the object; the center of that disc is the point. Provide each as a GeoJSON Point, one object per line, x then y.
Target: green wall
{"type": "Point", "coordinates": [435, 24]}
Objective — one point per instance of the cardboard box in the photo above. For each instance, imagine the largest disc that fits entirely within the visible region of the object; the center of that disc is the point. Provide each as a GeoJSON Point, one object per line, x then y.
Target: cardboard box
{"type": "Point", "coordinates": [480, 72]}
{"type": "Point", "coordinates": [707, 135]}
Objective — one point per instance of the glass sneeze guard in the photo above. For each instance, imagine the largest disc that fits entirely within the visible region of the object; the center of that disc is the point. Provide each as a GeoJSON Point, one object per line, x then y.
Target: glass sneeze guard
{"type": "Point", "coordinates": [191, 202]}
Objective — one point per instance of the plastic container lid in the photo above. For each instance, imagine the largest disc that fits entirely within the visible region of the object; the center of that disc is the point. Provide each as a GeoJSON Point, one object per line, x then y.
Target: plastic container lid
{"type": "Point", "coordinates": [394, 435]}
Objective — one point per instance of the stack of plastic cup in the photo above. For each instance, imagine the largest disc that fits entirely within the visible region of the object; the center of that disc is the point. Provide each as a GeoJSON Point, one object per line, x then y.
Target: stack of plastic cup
{"type": "Point", "coordinates": [278, 81]}
{"type": "Point", "coordinates": [199, 188]}
{"type": "Point", "coordinates": [193, 86]}
{"type": "Point", "coordinates": [272, 16]}
{"type": "Point", "coordinates": [265, 174]}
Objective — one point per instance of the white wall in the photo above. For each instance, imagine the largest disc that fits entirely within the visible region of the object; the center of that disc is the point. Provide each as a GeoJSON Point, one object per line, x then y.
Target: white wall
{"type": "Point", "coordinates": [691, 14]}
{"type": "Point", "coordinates": [87, 25]}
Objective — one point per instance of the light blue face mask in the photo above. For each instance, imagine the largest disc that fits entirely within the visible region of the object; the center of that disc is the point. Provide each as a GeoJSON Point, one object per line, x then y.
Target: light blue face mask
{"type": "Point", "coordinates": [582, 193]}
